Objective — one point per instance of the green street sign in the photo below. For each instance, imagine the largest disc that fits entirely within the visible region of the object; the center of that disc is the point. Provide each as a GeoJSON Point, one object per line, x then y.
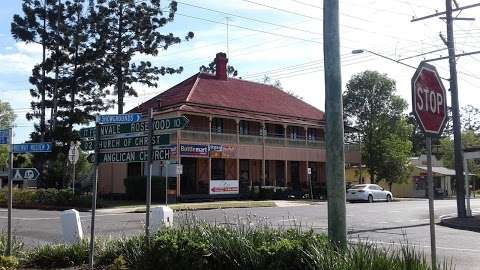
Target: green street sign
{"type": "Point", "coordinates": [131, 156]}
{"type": "Point", "coordinates": [136, 127]}
{"type": "Point", "coordinates": [162, 139]}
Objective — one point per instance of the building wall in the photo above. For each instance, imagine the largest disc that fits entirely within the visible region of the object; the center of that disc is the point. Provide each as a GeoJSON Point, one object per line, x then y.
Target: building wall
{"type": "Point", "coordinates": [110, 178]}
{"type": "Point", "coordinates": [231, 169]}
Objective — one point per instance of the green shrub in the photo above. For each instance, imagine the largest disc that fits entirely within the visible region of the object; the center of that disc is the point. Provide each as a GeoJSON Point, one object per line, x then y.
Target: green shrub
{"type": "Point", "coordinates": [38, 198]}
{"type": "Point", "coordinates": [58, 256]}
{"type": "Point", "coordinates": [8, 263]}
{"type": "Point", "coordinates": [136, 186]}
{"type": "Point", "coordinates": [17, 245]}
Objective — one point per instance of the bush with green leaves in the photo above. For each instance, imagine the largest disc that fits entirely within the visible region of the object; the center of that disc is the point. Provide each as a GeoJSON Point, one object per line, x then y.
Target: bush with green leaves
{"type": "Point", "coordinates": [202, 246]}
{"type": "Point", "coordinates": [46, 198]}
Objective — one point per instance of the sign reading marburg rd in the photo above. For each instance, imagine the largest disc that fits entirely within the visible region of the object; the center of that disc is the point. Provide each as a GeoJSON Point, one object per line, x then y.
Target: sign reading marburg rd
{"type": "Point", "coordinates": [429, 100]}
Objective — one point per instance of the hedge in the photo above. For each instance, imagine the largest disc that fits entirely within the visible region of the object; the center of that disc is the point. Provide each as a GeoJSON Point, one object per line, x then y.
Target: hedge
{"type": "Point", "coordinates": [202, 246]}
{"type": "Point", "coordinates": [46, 198]}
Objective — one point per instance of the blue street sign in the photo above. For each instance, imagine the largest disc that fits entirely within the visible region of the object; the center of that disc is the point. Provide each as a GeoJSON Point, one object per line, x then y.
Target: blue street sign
{"type": "Point", "coordinates": [32, 147]}
{"type": "Point", "coordinates": [119, 118]}
{"type": "Point", "coordinates": [4, 136]}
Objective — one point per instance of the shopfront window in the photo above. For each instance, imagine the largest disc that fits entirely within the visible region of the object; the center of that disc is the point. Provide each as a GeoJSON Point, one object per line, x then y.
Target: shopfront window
{"type": "Point", "coordinates": [218, 169]}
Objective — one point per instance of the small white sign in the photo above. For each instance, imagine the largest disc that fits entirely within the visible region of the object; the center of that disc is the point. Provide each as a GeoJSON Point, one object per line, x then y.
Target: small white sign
{"type": "Point", "coordinates": [179, 169]}
{"type": "Point", "coordinates": [218, 187]}
{"type": "Point", "coordinates": [73, 154]}
{"type": "Point", "coordinates": [309, 170]}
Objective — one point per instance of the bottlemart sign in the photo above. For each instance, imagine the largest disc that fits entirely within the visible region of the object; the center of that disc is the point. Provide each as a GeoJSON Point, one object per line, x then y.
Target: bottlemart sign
{"type": "Point", "coordinates": [136, 127]}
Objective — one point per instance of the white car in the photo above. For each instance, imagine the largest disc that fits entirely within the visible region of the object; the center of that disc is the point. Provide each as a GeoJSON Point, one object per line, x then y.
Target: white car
{"type": "Point", "coordinates": [369, 193]}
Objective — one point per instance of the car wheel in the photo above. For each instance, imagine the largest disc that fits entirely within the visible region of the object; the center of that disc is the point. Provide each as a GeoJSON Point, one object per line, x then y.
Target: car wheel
{"type": "Point", "coordinates": [370, 198]}
{"type": "Point", "coordinates": [389, 198]}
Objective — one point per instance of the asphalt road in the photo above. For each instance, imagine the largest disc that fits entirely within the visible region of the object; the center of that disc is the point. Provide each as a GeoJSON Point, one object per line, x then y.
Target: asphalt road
{"type": "Point", "coordinates": [388, 224]}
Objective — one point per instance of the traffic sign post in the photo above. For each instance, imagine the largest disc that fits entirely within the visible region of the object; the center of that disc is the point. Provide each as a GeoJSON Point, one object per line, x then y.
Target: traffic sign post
{"type": "Point", "coordinates": [10, 199]}
{"type": "Point", "coordinates": [94, 202]}
{"type": "Point", "coordinates": [4, 136]}
{"type": "Point", "coordinates": [25, 174]}
{"type": "Point", "coordinates": [429, 102]}
{"type": "Point", "coordinates": [118, 118]}
{"type": "Point", "coordinates": [149, 177]}
{"type": "Point", "coordinates": [73, 156]}
{"type": "Point", "coordinates": [32, 147]}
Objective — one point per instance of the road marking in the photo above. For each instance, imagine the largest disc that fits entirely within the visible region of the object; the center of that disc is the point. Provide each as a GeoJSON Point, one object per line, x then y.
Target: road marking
{"type": "Point", "coordinates": [417, 245]}
{"type": "Point", "coordinates": [54, 218]}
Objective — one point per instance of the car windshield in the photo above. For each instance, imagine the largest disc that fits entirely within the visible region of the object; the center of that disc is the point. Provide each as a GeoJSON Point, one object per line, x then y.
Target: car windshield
{"type": "Point", "coordinates": [359, 187]}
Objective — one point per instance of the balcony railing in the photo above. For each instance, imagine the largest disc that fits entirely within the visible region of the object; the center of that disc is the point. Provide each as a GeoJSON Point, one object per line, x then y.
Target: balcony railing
{"type": "Point", "coordinates": [230, 138]}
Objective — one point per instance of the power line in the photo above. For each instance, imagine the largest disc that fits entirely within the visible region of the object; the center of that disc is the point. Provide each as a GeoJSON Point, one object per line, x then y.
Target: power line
{"type": "Point", "coordinates": [283, 10]}
{"type": "Point", "coordinates": [247, 28]}
{"type": "Point", "coordinates": [251, 19]}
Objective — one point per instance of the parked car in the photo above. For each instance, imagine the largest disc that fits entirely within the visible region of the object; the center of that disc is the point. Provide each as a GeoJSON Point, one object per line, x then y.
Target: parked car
{"type": "Point", "coordinates": [369, 193]}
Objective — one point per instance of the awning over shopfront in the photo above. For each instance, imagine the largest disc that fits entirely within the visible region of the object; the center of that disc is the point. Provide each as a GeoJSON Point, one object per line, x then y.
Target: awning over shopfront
{"type": "Point", "coordinates": [439, 170]}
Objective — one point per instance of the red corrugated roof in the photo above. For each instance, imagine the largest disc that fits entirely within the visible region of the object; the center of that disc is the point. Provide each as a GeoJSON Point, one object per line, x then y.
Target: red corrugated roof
{"type": "Point", "coordinates": [234, 94]}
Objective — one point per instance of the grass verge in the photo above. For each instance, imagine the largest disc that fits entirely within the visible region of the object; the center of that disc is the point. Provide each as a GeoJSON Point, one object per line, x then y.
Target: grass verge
{"type": "Point", "coordinates": [214, 205]}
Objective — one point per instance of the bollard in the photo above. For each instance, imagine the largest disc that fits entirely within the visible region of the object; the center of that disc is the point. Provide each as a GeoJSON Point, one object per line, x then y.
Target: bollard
{"type": "Point", "coordinates": [72, 226]}
{"type": "Point", "coordinates": [161, 216]}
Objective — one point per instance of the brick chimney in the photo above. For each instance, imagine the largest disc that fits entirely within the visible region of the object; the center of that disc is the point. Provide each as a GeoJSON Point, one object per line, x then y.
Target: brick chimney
{"type": "Point", "coordinates": [221, 61]}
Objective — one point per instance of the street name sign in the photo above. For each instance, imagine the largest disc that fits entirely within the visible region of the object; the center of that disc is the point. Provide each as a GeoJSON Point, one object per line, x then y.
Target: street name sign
{"type": "Point", "coordinates": [25, 174]}
{"type": "Point", "coordinates": [4, 136]}
{"type": "Point", "coordinates": [130, 156]}
{"type": "Point", "coordinates": [136, 127]}
{"type": "Point", "coordinates": [119, 118]}
{"type": "Point", "coordinates": [32, 147]}
{"type": "Point", "coordinates": [429, 100]}
{"type": "Point", "coordinates": [162, 139]}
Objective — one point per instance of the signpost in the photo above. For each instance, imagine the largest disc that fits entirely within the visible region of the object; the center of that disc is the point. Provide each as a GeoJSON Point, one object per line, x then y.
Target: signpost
{"type": "Point", "coordinates": [73, 156]}
{"type": "Point", "coordinates": [32, 147]}
{"type": "Point", "coordinates": [111, 139]}
{"type": "Point", "coordinates": [429, 102]}
{"type": "Point", "coordinates": [25, 174]}
{"type": "Point", "coordinates": [159, 125]}
{"type": "Point", "coordinates": [4, 136]}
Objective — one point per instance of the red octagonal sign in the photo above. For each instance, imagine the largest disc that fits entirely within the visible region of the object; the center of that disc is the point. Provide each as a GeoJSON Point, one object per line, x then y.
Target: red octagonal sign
{"type": "Point", "coordinates": [429, 100]}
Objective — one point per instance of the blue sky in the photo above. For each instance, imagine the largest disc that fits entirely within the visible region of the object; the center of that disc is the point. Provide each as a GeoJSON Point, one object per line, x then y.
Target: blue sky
{"type": "Point", "coordinates": [265, 39]}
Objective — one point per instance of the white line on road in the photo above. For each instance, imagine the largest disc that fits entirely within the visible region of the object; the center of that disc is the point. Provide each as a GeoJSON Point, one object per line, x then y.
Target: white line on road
{"type": "Point", "coordinates": [420, 246]}
{"type": "Point", "coordinates": [54, 218]}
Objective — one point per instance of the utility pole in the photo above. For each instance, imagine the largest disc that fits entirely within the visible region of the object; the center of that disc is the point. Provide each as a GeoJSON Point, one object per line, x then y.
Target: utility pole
{"type": "Point", "coordinates": [457, 132]}
{"type": "Point", "coordinates": [335, 166]}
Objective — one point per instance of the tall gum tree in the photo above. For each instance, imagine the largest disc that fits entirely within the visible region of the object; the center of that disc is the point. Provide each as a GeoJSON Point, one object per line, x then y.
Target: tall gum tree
{"type": "Point", "coordinates": [372, 107]}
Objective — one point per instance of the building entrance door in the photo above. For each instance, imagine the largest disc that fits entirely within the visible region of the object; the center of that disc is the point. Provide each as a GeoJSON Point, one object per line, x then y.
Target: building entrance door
{"type": "Point", "coordinates": [188, 181]}
{"type": "Point", "coordinates": [280, 173]}
{"type": "Point", "coordinates": [295, 175]}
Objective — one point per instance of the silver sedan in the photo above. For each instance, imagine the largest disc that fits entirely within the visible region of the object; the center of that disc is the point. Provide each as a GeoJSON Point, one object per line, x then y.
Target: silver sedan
{"type": "Point", "coordinates": [369, 193]}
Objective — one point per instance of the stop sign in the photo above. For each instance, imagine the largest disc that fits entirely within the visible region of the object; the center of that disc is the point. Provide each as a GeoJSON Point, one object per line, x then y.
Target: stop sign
{"type": "Point", "coordinates": [429, 99]}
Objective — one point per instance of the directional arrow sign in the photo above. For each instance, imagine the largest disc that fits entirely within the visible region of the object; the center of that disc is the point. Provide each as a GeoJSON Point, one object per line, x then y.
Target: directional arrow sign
{"type": "Point", "coordinates": [27, 174]}
{"type": "Point", "coordinates": [119, 118]}
{"type": "Point", "coordinates": [32, 147]}
{"type": "Point", "coordinates": [162, 139]}
{"type": "Point", "coordinates": [131, 156]}
{"type": "Point", "coordinates": [136, 127]}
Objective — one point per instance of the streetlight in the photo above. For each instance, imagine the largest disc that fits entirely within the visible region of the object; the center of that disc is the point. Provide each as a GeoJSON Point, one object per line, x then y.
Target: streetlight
{"type": "Point", "coordinates": [359, 51]}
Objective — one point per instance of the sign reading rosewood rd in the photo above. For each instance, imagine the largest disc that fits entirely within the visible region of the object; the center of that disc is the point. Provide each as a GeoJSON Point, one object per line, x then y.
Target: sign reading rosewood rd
{"type": "Point", "coordinates": [136, 127]}
{"type": "Point", "coordinates": [162, 139]}
{"type": "Point", "coordinates": [429, 99]}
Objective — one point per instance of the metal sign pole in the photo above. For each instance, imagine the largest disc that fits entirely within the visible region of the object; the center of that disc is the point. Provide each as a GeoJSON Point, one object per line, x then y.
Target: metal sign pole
{"type": "Point", "coordinates": [73, 178]}
{"type": "Point", "coordinates": [166, 183]}
{"type": "Point", "coordinates": [10, 195]}
{"type": "Point", "coordinates": [430, 201]}
{"type": "Point", "coordinates": [149, 180]}
{"type": "Point", "coordinates": [94, 199]}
